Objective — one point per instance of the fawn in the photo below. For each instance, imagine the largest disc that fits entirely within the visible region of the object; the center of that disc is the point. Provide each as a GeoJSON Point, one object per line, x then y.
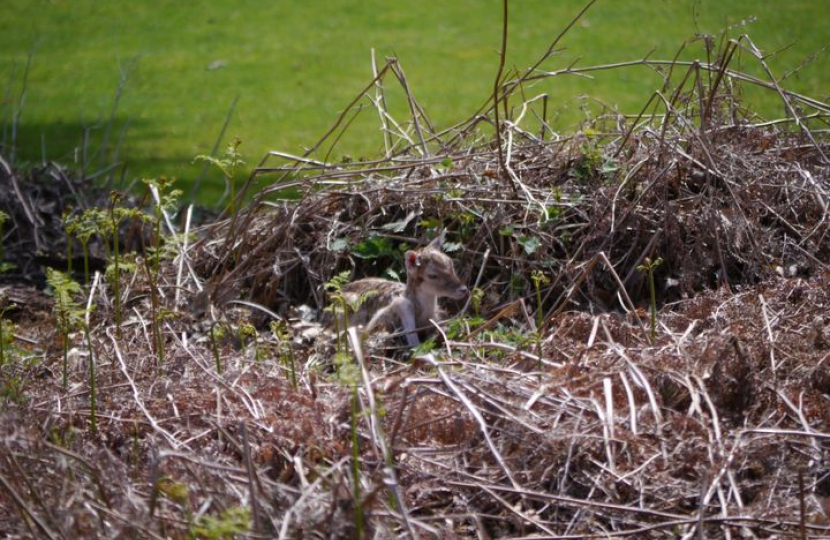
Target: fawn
{"type": "Point", "coordinates": [430, 275]}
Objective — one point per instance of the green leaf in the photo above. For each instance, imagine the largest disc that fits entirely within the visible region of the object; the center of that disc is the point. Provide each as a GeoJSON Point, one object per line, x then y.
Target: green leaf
{"type": "Point", "coordinates": [552, 213]}
{"type": "Point", "coordinates": [609, 166]}
{"type": "Point", "coordinates": [373, 247]}
{"type": "Point", "coordinates": [232, 522]}
{"type": "Point", "coordinates": [529, 244]}
{"type": "Point", "coordinates": [465, 218]}
{"type": "Point", "coordinates": [175, 491]}
{"type": "Point", "coordinates": [430, 223]}
{"type": "Point", "coordinates": [339, 244]}
{"type": "Point", "coordinates": [424, 348]}
{"type": "Point", "coordinates": [336, 283]}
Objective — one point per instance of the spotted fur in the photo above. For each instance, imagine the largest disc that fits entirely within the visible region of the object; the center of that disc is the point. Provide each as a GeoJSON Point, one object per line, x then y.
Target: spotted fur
{"type": "Point", "coordinates": [391, 305]}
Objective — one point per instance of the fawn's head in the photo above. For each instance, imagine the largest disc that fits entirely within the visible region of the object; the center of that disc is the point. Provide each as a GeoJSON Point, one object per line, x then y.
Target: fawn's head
{"type": "Point", "coordinates": [430, 271]}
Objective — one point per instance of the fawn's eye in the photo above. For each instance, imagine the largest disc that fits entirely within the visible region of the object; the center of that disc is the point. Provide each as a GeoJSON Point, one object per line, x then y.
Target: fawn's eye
{"type": "Point", "coordinates": [432, 276]}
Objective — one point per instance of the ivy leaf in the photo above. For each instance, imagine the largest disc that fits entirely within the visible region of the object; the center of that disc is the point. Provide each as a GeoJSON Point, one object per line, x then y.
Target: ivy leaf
{"type": "Point", "coordinates": [339, 244]}
{"type": "Point", "coordinates": [529, 243]}
{"type": "Point", "coordinates": [373, 247]}
{"type": "Point", "coordinates": [609, 166]}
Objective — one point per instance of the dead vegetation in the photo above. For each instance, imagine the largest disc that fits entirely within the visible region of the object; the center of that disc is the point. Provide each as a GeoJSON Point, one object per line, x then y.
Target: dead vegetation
{"type": "Point", "coordinates": [719, 426]}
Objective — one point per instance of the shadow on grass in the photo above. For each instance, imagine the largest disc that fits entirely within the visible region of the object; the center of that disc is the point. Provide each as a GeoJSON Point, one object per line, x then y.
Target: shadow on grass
{"type": "Point", "coordinates": [106, 153]}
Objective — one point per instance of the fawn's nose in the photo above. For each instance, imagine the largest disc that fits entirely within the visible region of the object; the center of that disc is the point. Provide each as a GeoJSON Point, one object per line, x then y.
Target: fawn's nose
{"type": "Point", "coordinates": [462, 291]}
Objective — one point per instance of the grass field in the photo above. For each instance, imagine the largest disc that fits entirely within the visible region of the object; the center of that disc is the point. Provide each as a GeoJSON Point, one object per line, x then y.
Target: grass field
{"type": "Point", "coordinates": [295, 65]}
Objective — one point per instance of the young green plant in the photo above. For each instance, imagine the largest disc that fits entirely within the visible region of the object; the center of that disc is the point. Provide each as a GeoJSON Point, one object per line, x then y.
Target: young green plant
{"type": "Point", "coordinates": [282, 333]}
{"type": "Point", "coordinates": [217, 334]}
{"type": "Point", "coordinates": [11, 380]}
{"type": "Point", "coordinates": [476, 296]}
{"type": "Point", "coordinates": [68, 226]}
{"type": "Point", "coordinates": [539, 280]}
{"type": "Point", "coordinates": [247, 334]}
{"type": "Point", "coordinates": [117, 214]}
{"type": "Point", "coordinates": [82, 227]}
{"type": "Point", "coordinates": [649, 266]}
{"type": "Point", "coordinates": [339, 308]}
{"type": "Point", "coordinates": [349, 374]}
{"type": "Point", "coordinates": [228, 166]}
{"type": "Point", "coordinates": [232, 522]}
{"type": "Point", "coordinates": [68, 312]}
{"type": "Point", "coordinates": [165, 199]}
{"type": "Point", "coordinates": [176, 492]}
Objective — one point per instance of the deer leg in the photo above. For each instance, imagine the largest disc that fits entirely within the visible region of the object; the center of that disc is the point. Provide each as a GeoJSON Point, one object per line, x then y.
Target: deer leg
{"type": "Point", "coordinates": [380, 318]}
{"type": "Point", "coordinates": [406, 312]}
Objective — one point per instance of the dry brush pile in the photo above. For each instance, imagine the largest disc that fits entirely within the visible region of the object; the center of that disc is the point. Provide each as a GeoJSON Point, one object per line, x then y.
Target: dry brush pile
{"type": "Point", "coordinates": [548, 409]}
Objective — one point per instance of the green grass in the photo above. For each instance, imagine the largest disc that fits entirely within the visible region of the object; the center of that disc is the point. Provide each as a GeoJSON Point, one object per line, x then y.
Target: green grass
{"type": "Point", "coordinates": [295, 65]}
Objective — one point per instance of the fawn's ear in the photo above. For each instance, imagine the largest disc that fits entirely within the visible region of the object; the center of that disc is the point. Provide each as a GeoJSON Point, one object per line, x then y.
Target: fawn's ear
{"type": "Point", "coordinates": [413, 260]}
{"type": "Point", "coordinates": [438, 241]}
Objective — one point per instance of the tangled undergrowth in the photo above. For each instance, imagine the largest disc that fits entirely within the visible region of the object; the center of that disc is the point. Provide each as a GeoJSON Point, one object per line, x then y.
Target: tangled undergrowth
{"type": "Point", "coordinates": [546, 409]}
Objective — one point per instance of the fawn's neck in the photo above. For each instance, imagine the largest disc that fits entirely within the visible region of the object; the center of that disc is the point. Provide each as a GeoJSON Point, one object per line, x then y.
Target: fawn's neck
{"type": "Point", "coordinates": [426, 303]}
